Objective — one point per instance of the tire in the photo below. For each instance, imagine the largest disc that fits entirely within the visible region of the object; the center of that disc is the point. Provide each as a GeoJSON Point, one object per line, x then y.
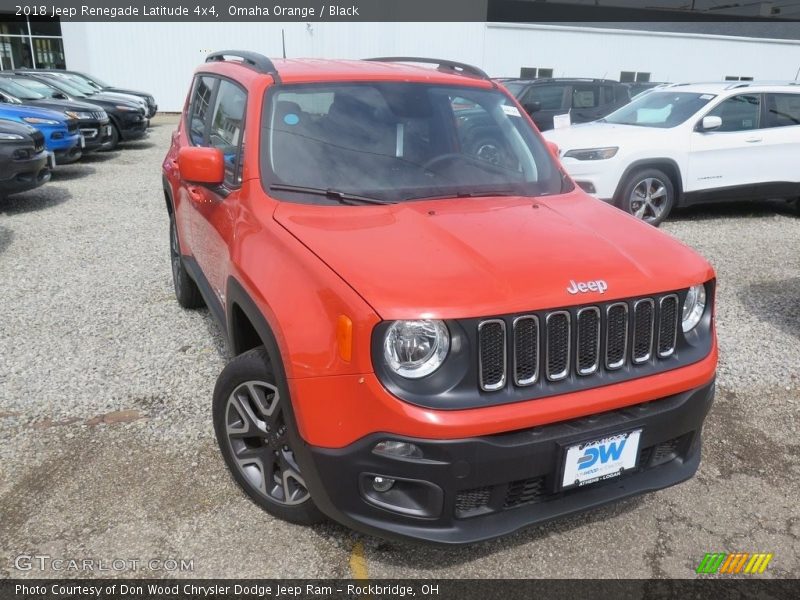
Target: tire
{"type": "Point", "coordinates": [186, 291]}
{"type": "Point", "coordinates": [649, 195]}
{"type": "Point", "coordinates": [115, 138]}
{"type": "Point", "coordinates": [256, 434]}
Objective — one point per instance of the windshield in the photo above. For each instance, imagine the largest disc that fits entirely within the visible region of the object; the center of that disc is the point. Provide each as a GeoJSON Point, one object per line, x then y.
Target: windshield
{"type": "Point", "coordinates": [37, 87]}
{"type": "Point", "coordinates": [75, 84]}
{"type": "Point", "coordinates": [12, 88]}
{"type": "Point", "coordinates": [659, 109]}
{"type": "Point", "coordinates": [402, 141]}
{"type": "Point", "coordinates": [61, 84]}
{"type": "Point", "coordinates": [515, 87]}
{"type": "Point", "coordinates": [93, 81]}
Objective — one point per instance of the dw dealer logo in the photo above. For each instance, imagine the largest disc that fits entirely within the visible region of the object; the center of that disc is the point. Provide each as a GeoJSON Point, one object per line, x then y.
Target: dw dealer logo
{"type": "Point", "coordinates": [732, 564]}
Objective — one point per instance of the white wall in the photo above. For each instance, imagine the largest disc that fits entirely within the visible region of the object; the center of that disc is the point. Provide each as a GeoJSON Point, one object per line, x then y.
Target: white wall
{"type": "Point", "coordinates": [160, 57]}
{"type": "Point", "coordinates": [674, 57]}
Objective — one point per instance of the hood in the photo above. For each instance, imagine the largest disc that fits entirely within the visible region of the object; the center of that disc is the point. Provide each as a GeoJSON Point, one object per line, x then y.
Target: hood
{"type": "Point", "coordinates": [62, 105]}
{"type": "Point", "coordinates": [117, 90]}
{"type": "Point", "coordinates": [20, 111]}
{"type": "Point", "coordinates": [16, 127]}
{"type": "Point", "coordinates": [118, 98]}
{"type": "Point", "coordinates": [489, 256]}
{"type": "Point", "coordinates": [598, 134]}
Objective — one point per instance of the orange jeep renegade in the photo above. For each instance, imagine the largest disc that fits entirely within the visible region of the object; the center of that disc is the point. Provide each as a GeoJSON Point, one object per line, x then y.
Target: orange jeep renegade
{"type": "Point", "coordinates": [436, 335]}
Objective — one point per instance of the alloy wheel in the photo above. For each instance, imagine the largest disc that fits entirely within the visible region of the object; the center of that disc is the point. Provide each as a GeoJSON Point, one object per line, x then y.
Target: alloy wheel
{"type": "Point", "coordinates": [257, 434]}
{"type": "Point", "coordinates": [649, 199]}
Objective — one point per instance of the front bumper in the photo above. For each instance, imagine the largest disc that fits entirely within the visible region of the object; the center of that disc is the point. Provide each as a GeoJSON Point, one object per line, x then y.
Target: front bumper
{"type": "Point", "coordinates": [133, 126]}
{"type": "Point", "coordinates": [97, 134]}
{"type": "Point", "coordinates": [473, 489]}
{"type": "Point", "coordinates": [20, 175]}
{"type": "Point", "coordinates": [600, 178]}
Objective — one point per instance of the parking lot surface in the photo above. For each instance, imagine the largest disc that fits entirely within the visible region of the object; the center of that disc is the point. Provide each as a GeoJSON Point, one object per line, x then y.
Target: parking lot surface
{"type": "Point", "coordinates": [107, 449]}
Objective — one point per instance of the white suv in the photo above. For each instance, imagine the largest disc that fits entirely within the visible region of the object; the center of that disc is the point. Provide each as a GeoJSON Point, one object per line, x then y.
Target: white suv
{"type": "Point", "coordinates": [687, 143]}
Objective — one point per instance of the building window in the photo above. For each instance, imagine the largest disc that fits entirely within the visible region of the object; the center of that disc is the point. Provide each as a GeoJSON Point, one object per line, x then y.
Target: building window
{"type": "Point", "coordinates": [535, 73]}
{"type": "Point", "coordinates": [30, 42]}
{"type": "Point", "coordinates": [634, 76]}
{"type": "Point", "coordinates": [737, 78]}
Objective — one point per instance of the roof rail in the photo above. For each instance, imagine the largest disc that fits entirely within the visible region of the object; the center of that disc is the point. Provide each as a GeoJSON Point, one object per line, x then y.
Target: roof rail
{"type": "Point", "coordinates": [252, 59]}
{"type": "Point", "coordinates": [458, 67]}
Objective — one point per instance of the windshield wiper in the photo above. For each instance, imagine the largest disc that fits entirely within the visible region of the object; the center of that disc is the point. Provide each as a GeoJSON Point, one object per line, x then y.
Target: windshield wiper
{"type": "Point", "coordinates": [465, 194]}
{"type": "Point", "coordinates": [341, 197]}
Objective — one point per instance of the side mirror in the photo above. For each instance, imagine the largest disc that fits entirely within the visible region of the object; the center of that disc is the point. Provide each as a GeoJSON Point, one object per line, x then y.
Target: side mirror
{"type": "Point", "coordinates": [200, 164]}
{"type": "Point", "coordinates": [554, 149]}
{"type": "Point", "coordinates": [532, 107]}
{"type": "Point", "coordinates": [710, 123]}
{"type": "Point", "coordinates": [60, 96]}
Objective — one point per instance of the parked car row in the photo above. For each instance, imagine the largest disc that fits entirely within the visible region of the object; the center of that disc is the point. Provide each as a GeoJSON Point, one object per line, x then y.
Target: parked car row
{"type": "Point", "coordinates": [50, 118]}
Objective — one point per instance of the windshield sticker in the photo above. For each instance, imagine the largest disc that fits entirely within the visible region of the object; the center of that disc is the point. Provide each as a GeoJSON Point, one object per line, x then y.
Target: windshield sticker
{"type": "Point", "coordinates": [706, 96]}
{"type": "Point", "coordinates": [291, 119]}
{"type": "Point", "coordinates": [511, 111]}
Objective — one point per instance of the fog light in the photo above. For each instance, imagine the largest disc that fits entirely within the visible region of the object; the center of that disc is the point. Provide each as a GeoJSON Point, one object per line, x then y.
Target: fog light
{"type": "Point", "coordinates": [382, 484]}
{"type": "Point", "coordinates": [400, 449]}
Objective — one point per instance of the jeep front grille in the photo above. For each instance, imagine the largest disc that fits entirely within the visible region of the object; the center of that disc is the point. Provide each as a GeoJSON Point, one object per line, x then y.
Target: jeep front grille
{"type": "Point", "coordinates": [577, 342]}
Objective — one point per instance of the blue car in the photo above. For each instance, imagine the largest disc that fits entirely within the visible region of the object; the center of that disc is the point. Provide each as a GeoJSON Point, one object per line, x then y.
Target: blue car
{"type": "Point", "coordinates": [62, 137]}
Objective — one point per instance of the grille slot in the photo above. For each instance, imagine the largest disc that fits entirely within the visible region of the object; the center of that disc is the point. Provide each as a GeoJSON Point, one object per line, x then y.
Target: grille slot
{"type": "Point", "coordinates": [643, 316]}
{"type": "Point", "coordinates": [526, 350]}
{"type": "Point", "coordinates": [667, 325]}
{"type": "Point", "coordinates": [469, 501]}
{"type": "Point", "coordinates": [616, 335]}
{"type": "Point", "coordinates": [526, 491]}
{"type": "Point", "coordinates": [492, 354]}
{"type": "Point", "coordinates": [558, 345]}
{"type": "Point", "coordinates": [588, 344]}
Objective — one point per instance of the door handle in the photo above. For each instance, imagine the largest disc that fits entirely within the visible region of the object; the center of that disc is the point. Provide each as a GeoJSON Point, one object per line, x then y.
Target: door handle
{"type": "Point", "coordinates": [195, 193]}
{"type": "Point", "coordinates": [753, 140]}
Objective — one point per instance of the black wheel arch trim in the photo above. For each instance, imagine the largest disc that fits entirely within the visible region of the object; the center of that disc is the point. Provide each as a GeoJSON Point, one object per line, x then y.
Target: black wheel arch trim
{"type": "Point", "coordinates": [652, 163]}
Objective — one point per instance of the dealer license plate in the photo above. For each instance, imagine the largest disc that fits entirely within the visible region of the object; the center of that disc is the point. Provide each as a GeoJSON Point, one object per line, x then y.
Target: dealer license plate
{"type": "Point", "coordinates": [600, 459]}
{"type": "Point", "coordinates": [83, 141]}
{"type": "Point", "coordinates": [108, 129]}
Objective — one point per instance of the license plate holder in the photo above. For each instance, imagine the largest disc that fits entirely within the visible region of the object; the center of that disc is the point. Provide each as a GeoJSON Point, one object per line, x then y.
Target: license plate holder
{"type": "Point", "coordinates": [601, 458]}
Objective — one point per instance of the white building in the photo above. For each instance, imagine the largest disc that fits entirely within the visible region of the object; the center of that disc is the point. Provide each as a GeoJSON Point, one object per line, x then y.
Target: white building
{"type": "Point", "coordinates": [160, 57]}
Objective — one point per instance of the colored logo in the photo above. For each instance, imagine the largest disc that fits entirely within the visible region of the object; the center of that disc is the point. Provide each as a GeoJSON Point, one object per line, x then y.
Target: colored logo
{"type": "Point", "coordinates": [738, 562]}
{"type": "Point", "coordinates": [603, 453]}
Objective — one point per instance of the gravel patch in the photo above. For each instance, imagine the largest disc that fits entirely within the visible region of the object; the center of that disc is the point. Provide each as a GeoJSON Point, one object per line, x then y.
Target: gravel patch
{"type": "Point", "coordinates": [107, 448]}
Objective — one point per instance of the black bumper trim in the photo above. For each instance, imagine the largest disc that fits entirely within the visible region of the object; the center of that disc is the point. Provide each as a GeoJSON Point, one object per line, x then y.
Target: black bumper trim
{"type": "Point", "coordinates": [500, 462]}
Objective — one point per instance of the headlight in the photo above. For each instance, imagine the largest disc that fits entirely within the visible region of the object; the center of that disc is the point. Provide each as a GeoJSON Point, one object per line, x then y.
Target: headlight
{"type": "Point", "coordinates": [413, 349]}
{"type": "Point", "coordinates": [592, 153]}
{"type": "Point", "coordinates": [78, 115]}
{"type": "Point", "coordinates": [126, 108]}
{"type": "Point", "coordinates": [693, 307]}
{"type": "Point", "coordinates": [10, 136]}
{"type": "Point", "coordinates": [38, 121]}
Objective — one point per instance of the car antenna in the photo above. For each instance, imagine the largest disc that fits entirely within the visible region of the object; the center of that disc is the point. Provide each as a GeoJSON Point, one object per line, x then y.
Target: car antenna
{"type": "Point", "coordinates": [283, 41]}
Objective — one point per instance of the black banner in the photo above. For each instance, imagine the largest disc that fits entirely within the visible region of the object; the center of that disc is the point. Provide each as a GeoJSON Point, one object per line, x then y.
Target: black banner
{"type": "Point", "coordinates": [430, 589]}
{"type": "Point", "coordinates": [372, 11]}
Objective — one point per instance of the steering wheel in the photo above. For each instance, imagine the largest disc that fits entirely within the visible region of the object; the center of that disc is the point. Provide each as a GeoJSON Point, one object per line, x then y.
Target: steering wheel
{"type": "Point", "coordinates": [442, 158]}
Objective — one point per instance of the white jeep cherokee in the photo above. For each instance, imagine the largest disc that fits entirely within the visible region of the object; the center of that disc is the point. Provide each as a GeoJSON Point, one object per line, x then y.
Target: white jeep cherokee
{"type": "Point", "coordinates": [687, 143]}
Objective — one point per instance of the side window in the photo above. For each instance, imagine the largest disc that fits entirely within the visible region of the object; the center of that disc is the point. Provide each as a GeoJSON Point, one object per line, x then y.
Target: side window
{"type": "Point", "coordinates": [585, 96]}
{"type": "Point", "coordinates": [550, 97]}
{"type": "Point", "coordinates": [783, 110]}
{"type": "Point", "coordinates": [227, 127]}
{"type": "Point", "coordinates": [198, 108]}
{"type": "Point", "coordinates": [739, 113]}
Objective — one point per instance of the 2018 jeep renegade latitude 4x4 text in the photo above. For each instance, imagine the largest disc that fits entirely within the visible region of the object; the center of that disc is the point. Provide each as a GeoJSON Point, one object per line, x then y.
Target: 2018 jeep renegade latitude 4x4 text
{"type": "Point", "coordinates": [436, 334]}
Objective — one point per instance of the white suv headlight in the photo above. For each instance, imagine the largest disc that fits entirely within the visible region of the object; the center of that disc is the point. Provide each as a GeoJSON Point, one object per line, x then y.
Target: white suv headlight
{"type": "Point", "coordinates": [693, 307]}
{"type": "Point", "coordinates": [413, 349]}
{"type": "Point", "coordinates": [593, 153]}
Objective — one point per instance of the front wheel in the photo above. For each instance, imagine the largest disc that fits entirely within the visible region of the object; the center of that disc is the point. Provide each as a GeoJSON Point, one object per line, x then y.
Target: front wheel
{"type": "Point", "coordinates": [648, 195]}
{"type": "Point", "coordinates": [257, 436]}
{"type": "Point", "coordinates": [115, 138]}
